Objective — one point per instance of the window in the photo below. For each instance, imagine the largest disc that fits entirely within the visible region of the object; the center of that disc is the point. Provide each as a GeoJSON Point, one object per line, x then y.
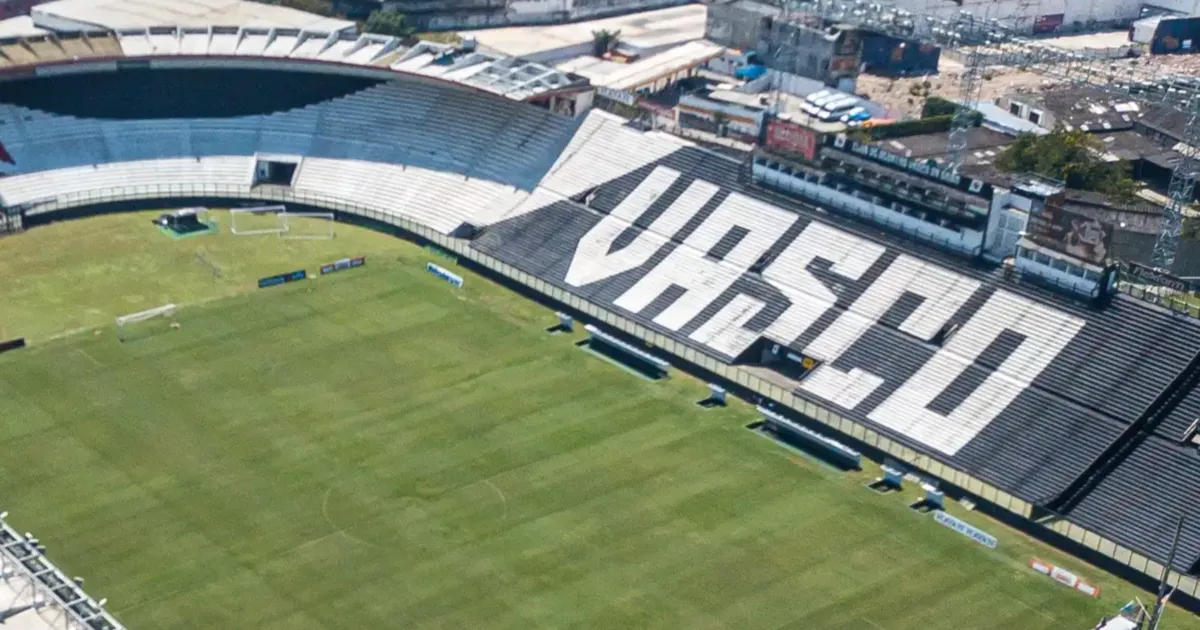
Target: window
{"type": "Point", "coordinates": [1014, 109]}
{"type": "Point", "coordinates": [1035, 117]}
{"type": "Point", "coordinates": [1041, 258]}
{"type": "Point", "coordinates": [1059, 264]}
{"type": "Point", "coordinates": [1091, 275]}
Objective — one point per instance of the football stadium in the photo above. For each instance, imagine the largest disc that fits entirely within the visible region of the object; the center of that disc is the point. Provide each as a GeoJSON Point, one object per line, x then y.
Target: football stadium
{"type": "Point", "coordinates": [314, 330]}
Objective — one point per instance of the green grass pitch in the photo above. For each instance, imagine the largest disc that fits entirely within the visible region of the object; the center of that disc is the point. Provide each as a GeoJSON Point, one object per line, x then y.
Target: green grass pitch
{"type": "Point", "coordinates": [376, 449]}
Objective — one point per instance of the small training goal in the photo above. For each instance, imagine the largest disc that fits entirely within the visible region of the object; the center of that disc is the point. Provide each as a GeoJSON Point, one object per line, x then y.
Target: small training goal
{"type": "Point", "coordinates": [277, 220]}
{"type": "Point", "coordinates": [311, 226]}
{"type": "Point", "coordinates": [146, 322]}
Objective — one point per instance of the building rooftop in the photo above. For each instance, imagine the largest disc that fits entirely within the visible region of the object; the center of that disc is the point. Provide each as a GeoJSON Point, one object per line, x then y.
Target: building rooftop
{"type": "Point", "coordinates": [20, 26]}
{"type": "Point", "coordinates": [1085, 108]}
{"type": "Point", "coordinates": [983, 145]}
{"type": "Point", "coordinates": [997, 118]}
{"type": "Point", "coordinates": [119, 14]}
{"type": "Point", "coordinates": [639, 31]}
{"type": "Point", "coordinates": [643, 72]}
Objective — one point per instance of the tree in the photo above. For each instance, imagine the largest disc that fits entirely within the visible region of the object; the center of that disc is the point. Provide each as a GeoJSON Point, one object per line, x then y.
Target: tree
{"type": "Point", "coordinates": [604, 41]}
{"type": "Point", "coordinates": [388, 23]}
{"type": "Point", "coordinates": [319, 7]}
{"type": "Point", "coordinates": [1072, 157]}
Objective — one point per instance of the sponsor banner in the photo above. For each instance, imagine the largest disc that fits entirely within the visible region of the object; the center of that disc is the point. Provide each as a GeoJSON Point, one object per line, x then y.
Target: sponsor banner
{"type": "Point", "coordinates": [966, 529]}
{"type": "Point", "coordinates": [790, 138]}
{"type": "Point", "coordinates": [620, 96]}
{"type": "Point", "coordinates": [1072, 234]}
{"type": "Point", "coordinates": [282, 278]}
{"type": "Point", "coordinates": [1064, 577]}
{"type": "Point", "coordinates": [12, 344]}
{"type": "Point", "coordinates": [445, 274]}
{"type": "Point", "coordinates": [345, 263]}
{"type": "Point", "coordinates": [1149, 275]}
{"type": "Point", "coordinates": [1047, 23]}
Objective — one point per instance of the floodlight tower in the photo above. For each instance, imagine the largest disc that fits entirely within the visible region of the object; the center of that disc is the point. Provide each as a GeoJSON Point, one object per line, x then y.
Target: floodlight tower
{"type": "Point", "coordinates": [969, 35]}
{"type": "Point", "coordinates": [1180, 194]}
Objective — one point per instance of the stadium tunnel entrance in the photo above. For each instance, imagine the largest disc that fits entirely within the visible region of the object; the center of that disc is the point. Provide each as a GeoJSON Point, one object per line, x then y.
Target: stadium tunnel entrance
{"type": "Point", "coordinates": [144, 93]}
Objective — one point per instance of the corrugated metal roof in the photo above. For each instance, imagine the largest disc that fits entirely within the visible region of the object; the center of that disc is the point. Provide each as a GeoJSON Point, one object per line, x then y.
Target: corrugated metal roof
{"type": "Point", "coordinates": [118, 14]}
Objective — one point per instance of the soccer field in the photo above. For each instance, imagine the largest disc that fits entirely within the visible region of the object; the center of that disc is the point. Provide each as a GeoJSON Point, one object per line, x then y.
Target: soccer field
{"type": "Point", "coordinates": [376, 449]}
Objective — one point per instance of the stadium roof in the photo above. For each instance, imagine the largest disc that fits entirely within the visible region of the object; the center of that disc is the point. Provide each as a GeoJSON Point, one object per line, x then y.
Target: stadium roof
{"type": "Point", "coordinates": [20, 26]}
{"type": "Point", "coordinates": [73, 15]}
{"type": "Point", "coordinates": [639, 31]}
{"type": "Point", "coordinates": [260, 47]}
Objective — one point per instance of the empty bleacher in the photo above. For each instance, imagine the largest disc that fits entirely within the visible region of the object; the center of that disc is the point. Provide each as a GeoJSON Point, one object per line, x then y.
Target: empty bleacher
{"type": "Point", "coordinates": [1105, 366]}
{"type": "Point", "coordinates": [148, 175]}
{"type": "Point", "coordinates": [435, 153]}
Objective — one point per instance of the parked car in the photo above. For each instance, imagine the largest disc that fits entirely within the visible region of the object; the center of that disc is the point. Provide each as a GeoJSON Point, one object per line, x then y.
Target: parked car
{"type": "Point", "coordinates": [834, 110]}
{"type": "Point", "coordinates": [856, 116]}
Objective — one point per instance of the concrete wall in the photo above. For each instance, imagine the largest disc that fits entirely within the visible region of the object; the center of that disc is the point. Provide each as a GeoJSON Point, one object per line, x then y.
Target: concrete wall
{"type": "Point", "coordinates": [437, 15]}
{"type": "Point", "coordinates": [733, 26]}
{"type": "Point", "coordinates": [1019, 14]}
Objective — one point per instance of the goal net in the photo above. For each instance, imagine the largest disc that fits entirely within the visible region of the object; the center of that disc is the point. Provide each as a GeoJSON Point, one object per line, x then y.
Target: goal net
{"type": "Point", "coordinates": [312, 226]}
{"type": "Point", "coordinates": [257, 220]}
{"type": "Point", "coordinates": [144, 323]}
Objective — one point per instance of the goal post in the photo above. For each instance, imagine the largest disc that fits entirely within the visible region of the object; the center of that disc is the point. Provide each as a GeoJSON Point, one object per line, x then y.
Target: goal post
{"type": "Point", "coordinates": [312, 226]}
{"type": "Point", "coordinates": [257, 220]}
{"type": "Point", "coordinates": [127, 325]}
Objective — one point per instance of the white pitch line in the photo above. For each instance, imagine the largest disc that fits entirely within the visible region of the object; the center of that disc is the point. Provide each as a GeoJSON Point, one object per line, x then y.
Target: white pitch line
{"type": "Point", "coordinates": [503, 499]}
{"type": "Point", "coordinates": [345, 534]}
{"type": "Point", "coordinates": [89, 357]}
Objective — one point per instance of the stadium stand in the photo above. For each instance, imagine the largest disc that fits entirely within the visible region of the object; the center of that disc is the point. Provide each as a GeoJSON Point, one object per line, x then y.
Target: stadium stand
{"type": "Point", "coordinates": [1025, 395]}
{"type": "Point", "coordinates": [1018, 395]}
{"type": "Point", "coordinates": [390, 146]}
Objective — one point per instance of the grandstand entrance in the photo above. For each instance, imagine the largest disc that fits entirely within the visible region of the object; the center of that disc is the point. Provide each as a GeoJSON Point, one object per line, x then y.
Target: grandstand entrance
{"type": "Point", "coordinates": [780, 358]}
{"type": "Point", "coordinates": [276, 170]}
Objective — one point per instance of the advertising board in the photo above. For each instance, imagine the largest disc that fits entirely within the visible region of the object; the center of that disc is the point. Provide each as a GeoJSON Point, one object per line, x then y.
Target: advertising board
{"type": "Point", "coordinates": [1043, 24]}
{"type": "Point", "coordinates": [966, 529]}
{"type": "Point", "coordinates": [283, 278]}
{"type": "Point", "coordinates": [1072, 234]}
{"type": "Point", "coordinates": [620, 96]}
{"type": "Point", "coordinates": [1149, 275]}
{"type": "Point", "coordinates": [790, 138]}
{"type": "Point", "coordinates": [445, 274]}
{"type": "Point", "coordinates": [345, 263]}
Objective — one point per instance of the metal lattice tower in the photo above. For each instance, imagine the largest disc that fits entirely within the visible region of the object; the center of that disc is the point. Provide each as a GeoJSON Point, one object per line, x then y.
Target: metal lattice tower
{"type": "Point", "coordinates": [983, 42]}
{"type": "Point", "coordinates": [1180, 193]}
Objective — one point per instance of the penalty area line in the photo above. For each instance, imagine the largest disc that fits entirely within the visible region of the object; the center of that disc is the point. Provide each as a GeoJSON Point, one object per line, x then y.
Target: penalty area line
{"type": "Point", "coordinates": [338, 530]}
{"type": "Point", "coordinates": [89, 357]}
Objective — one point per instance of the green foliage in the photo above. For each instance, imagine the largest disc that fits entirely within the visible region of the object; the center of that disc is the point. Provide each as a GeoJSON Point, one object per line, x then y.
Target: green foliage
{"type": "Point", "coordinates": [319, 7]}
{"type": "Point", "coordinates": [1072, 157]}
{"type": "Point", "coordinates": [935, 124]}
{"type": "Point", "coordinates": [937, 106]}
{"type": "Point", "coordinates": [604, 41]}
{"type": "Point", "coordinates": [388, 23]}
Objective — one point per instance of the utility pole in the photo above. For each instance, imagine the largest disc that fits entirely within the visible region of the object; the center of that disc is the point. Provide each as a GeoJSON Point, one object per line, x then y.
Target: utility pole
{"type": "Point", "coordinates": [1160, 600]}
